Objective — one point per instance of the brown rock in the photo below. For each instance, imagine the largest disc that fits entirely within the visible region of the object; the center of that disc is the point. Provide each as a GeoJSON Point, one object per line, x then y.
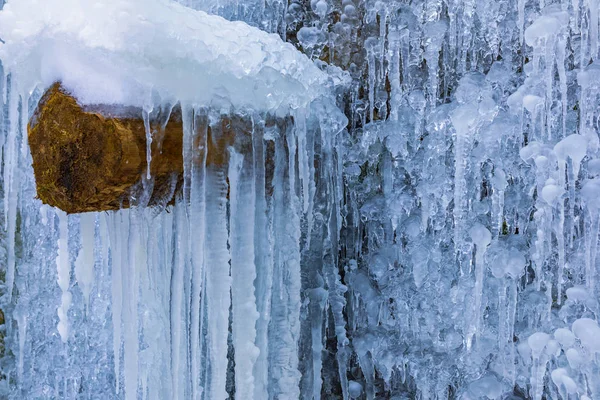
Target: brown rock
{"type": "Point", "coordinates": [86, 161]}
{"type": "Point", "coordinates": [93, 158]}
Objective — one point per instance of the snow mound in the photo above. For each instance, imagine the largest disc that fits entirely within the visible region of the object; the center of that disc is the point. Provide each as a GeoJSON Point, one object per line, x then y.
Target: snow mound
{"type": "Point", "coordinates": [131, 51]}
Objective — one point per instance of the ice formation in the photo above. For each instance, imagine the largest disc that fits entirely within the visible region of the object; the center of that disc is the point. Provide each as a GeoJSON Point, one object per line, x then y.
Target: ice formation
{"type": "Point", "coordinates": [440, 241]}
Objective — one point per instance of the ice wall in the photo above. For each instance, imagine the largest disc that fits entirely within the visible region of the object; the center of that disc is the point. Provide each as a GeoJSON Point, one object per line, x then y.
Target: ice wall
{"type": "Point", "coordinates": [443, 246]}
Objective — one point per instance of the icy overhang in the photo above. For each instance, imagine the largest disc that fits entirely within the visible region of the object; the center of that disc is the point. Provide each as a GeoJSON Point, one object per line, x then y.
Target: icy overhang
{"type": "Point", "coordinates": [138, 52]}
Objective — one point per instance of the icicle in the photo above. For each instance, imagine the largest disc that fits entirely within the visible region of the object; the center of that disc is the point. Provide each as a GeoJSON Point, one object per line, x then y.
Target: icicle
{"type": "Point", "coordinates": [11, 194]}
{"type": "Point", "coordinates": [462, 147]}
{"type": "Point", "coordinates": [103, 232]}
{"type": "Point", "coordinates": [512, 309]}
{"type": "Point", "coordinates": [574, 21]}
{"type": "Point", "coordinates": [11, 183]}
{"type": "Point", "coordinates": [499, 185]}
{"type": "Point", "coordinates": [63, 268]}
{"type": "Point", "coordinates": [284, 329]}
{"type": "Point", "coordinates": [593, 21]}
{"type": "Point", "coordinates": [21, 315]}
{"type": "Point", "coordinates": [467, 36]}
{"type": "Point", "coordinates": [264, 265]}
{"type": "Point", "coordinates": [177, 298]}
{"type": "Point", "coordinates": [84, 265]}
{"type": "Point", "coordinates": [591, 274]}
{"type": "Point", "coordinates": [481, 237]}
{"type": "Point", "coordinates": [370, 45]}
{"type": "Point", "coordinates": [503, 322]}
{"type": "Point", "coordinates": [117, 258]}
{"type": "Point", "coordinates": [146, 117]}
{"type": "Point", "coordinates": [405, 52]}
{"type": "Point", "coordinates": [394, 39]}
{"type": "Point", "coordinates": [184, 248]}
{"type": "Point", "coordinates": [197, 206]}
{"type": "Point", "coordinates": [549, 80]}
{"type": "Point", "coordinates": [435, 32]}
{"type": "Point", "coordinates": [130, 304]}
{"type": "Point", "coordinates": [368, 370]}
{"type": "Point", "coordinates": [521, 20]}
{"type": "Point", "coordinates": [537, 342]}
{"type": "Point", "coordinates": [560, 231]}
{"type": "Point", "coordinates": [218, 281]}
{"type": "Point", "coordinates": [318, 299]}
{"type": "Point", "coordinates": [337, 302]}
{"type": "Point", "coordinates": [303, 161]}
{"type": "Point", "coordinates": [243, 270]}
{"type": "Point", "coordinates": [589, 195]}
{"type": "Point", "coordinates": [562, 76]}
{"type": "Point", "coordinates": [382, 36]}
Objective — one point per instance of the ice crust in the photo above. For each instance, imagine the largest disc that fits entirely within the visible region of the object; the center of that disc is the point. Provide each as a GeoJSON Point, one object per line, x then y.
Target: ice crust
{"type": "Point", "coordinates": [128, 52]}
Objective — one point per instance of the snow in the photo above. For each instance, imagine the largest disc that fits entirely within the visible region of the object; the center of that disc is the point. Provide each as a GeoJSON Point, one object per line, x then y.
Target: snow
{"type": "Point", "coordinates": [126, 52]}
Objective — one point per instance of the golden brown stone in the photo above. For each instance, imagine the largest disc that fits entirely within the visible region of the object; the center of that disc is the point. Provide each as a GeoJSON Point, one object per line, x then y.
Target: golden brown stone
{"type": "Point", "coordinates": [93, 158]}
{"type": "Point", "coordinates": [85, 161]}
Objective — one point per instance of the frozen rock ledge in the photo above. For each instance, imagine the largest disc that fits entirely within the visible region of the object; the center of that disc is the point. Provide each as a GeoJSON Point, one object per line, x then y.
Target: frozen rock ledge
{"type": "Point", "coordinates": [140, 53]}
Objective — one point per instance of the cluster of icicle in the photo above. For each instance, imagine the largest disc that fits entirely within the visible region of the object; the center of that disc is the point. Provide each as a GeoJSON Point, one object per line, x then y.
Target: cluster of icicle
{"type": "Point", "coordinates": [151, 303]}
{"type": "Point", "coordinates": [445, 246]}
{"type": "Point", "coordinates": [474, 162]}
{"type": "Point", "coordinates": [198, 300]}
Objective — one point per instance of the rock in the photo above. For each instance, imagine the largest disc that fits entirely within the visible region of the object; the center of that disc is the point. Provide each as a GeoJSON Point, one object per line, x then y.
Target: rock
{"type": "Point", "coordinates": [93, 158]}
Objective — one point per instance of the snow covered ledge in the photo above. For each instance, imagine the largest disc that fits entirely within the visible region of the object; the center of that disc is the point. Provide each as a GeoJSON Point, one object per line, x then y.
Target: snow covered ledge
{"type": "Point", "coordinates": [143, 52]}
{"type": "Point", "coordinates": [122, 68]}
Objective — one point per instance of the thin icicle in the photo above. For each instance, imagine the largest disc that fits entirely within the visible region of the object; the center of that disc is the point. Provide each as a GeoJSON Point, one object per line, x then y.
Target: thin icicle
{"type": "Point", "coordinates": [562, 76]}
{"type": "Point", "coordinates": [503, 322]}
{"type": "Point", "coordinates": [117, 258]}
{"type": "Point", "coordinates": [64, 270]}
{"type": "Point", "coordinates": [218, 281]}
{"type": "Point", "coordinates": [481, 237]}
{"type": "Point", "coordinates": [303, 161]}
{"type": "Point", "coordinates": [177, 306]}
{"type": "Point", "coordinates": [84, 265]}
{"type": "Point", "coordinates": [521, 19]}
{"type": "Point", "coordinates": [318, 299]}
{"type": "Point", "coordinates": [243, 270]}
{"type": "Point", "coordinates": [337, 302]}
{"type": "Point", "coordinates": [394, 39]}
{"type": "Point", "coordinates": [11, 184]}
{"type": "Point", "coordinates": [21, 315]}
{"type": "Point", "coordinates": [593, 21]}
{"type": "Point", "coordinates": [264, 265]}
{"type": "Point", "coordinates": [129, 226]}
{"type": "Point", "coordinates": [284, 329]}
{"type": "Point", "coordinates": [146, 117]}
{"type": "Point", "coordinates": [137, 259]}
{"type": "Point", "coordinates": [197, 206]}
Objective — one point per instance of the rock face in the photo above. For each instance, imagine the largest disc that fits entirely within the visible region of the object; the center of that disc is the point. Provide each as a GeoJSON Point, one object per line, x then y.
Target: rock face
{"type": "Point", "coordinates": [87, 160]}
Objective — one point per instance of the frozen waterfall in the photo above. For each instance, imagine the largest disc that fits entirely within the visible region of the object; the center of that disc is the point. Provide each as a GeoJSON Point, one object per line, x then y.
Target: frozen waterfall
{"type": "Point", "coordinates": [379, 199]}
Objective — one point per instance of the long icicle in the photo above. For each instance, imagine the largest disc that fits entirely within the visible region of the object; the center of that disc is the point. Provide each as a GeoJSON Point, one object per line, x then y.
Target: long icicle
{"type": "Point", "coordinates": [263, 259]}
{"type": "Point", "coordinates": [243, 270]}
{"type": "Point", "coordinates": [177, 299]}
{"type": "Point", "coordinates": [11, 181]}
{"type": "Point", "coordinates": [115, 237]}
{"type": "Point", "coordinates": [197, 210]}
{"type": "Point", "coordinates": [218, 281]}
